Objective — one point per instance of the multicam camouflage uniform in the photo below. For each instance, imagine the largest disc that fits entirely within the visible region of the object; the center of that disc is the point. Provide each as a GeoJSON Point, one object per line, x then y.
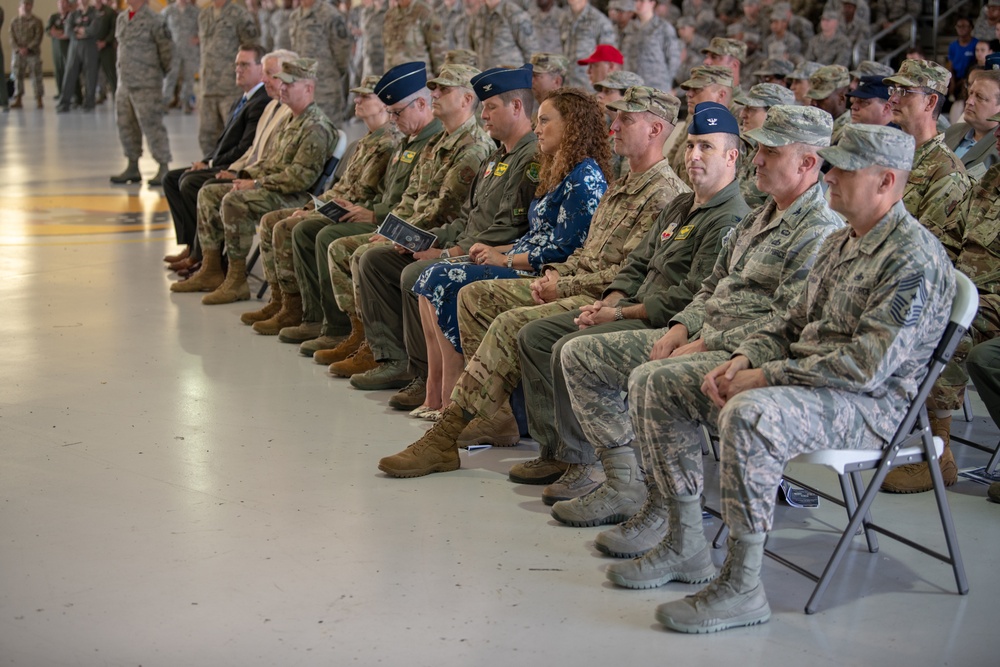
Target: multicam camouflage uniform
{"type": "Point", "coordinates": [283, 176]}
{"type": "Point", "coordinates": [144, 56]}
{"type": "Point", "coordinates": [413, 33]}
{"type": "Point", "coordinates": [580, 34]}
{"type": "Point", "coordinates": [503, 35]}
{"type": "Point", "coordinates": [220, 36]}
{"type": "Point", "coordinates": [320, 32]}
{"type": "Point", "coordinates": [26, 33]}
{"type": "Point", "coordinates": [653, 51]}
{"type": "Point", "coordinates": [937, 184]}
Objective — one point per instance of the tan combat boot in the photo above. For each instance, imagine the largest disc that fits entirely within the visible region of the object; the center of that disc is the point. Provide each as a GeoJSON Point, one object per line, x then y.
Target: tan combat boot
{"type": "Point", "coordinates": [207, 278]}
{"type": "Point", "coordinates": [233, 288]}
{"type": "Point", "coordinates": [500, 430]}
{"type": "Point", "coordinates": [39, 101]}
{"type": "Point", "coordinates": [267, 312]}
{"type": "Point", "coordinates": [347, 347]}
{"type": "Point", "coordinates": [290, 315]}
{"type": "Point", "coordinates": [359, 362]}
{"type": "Point", "coordinates": [436, 451]}
{"type": "Point", "coordinates": [916, 477]}
{"type": "Point", "coordinates": [16, 104]}
{"type": "Point", "coordinates": [621, 495]}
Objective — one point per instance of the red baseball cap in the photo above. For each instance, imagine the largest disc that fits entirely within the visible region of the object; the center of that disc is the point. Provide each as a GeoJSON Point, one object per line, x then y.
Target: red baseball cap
{"type": "Point", "coordinates": [603, 53]}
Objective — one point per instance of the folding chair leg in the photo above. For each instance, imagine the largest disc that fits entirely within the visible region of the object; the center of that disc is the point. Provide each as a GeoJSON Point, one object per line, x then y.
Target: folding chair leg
{"type": "Point", "coordinates": [967, 407]}
{"type": "Point", "coordinates": [858, 492]}
{"type": "Point", "coordinates": [948, 524]}
{"type": "Point", "coordinates": [994, 460]}
{"type": "Point", "coordinates": [720, 537]}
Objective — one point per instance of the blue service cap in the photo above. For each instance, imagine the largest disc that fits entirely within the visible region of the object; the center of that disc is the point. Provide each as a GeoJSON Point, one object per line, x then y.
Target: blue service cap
{"type": "Point", "coordinates": [501, 80]}
{"type": "Point", "coordinates": [871, 88]}
{"type": "Point", "coordinates": [712, 117]}
{"type": "Point", "coordinates": [992, 61]}
{"type": "Point", "coordinates": [401, 81]}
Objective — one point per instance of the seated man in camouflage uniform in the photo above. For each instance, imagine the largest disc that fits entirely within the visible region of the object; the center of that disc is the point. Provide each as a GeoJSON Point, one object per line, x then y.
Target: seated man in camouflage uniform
{"type": "Point", "coordinates": [837, 369]}
{"type": "Point", "coordinates": [359, 184]}
{"type": "Point", "coordinates": [754, 105]}
{"type": "Point", "coordinates": [548, 73]}
{"type": "Point", "coordinates": [828, 88]}
{"type": "Point", "coordinates": [492, 313]}
{"type": "Point", "coordinates": [761, 269]}
{"type": "Point", "coordinates": [230, 212]}
{"type": "Point", "coordinates": [798, 81]}
{"type": "Point", "coordinates": [611, 90]}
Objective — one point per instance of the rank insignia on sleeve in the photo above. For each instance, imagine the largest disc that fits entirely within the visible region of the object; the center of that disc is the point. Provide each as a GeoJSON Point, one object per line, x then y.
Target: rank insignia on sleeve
{"type": "Point", "coordinates": [668, 232]}
{"type": "Point", "coordinates": [685, 232]}
{"type": "Point", "coordinates": [408, 156]}
{"type": "Point", "coordinates": [501, 169]}
{"type": "Point", "coordinates": [533, 172]}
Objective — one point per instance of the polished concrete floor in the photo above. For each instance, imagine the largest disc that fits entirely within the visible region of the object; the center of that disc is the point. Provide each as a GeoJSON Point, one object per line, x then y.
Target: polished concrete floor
{"type": "Point", "coordinates": [177, 490]}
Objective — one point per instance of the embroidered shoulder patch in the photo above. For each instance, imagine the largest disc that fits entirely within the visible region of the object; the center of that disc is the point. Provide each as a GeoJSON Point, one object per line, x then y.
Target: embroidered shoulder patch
{"type": "Point", "coordinates": [668, 232]}
{"type": "Point", "coordinates": [501, 169]}
{"type": "Point", "coordinates": [685, 232]}
{"type": "Point", "coordinates": [408, 156]}
{"type": "Point", "coordinates": [533, 171]}
{"type": "Point", "coordinates": [908, 304]}
{"type": "Point", "coordinates": [489, 168]}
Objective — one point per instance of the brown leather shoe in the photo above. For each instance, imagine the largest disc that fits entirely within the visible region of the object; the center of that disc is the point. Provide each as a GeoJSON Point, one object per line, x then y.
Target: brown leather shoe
{"type": "Point", "coordinates": [183, 254]}
{"type": "Point", "coordinates": [359, 362]}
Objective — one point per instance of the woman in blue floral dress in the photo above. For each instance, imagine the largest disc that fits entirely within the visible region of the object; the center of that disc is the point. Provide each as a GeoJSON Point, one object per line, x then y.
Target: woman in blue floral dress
{"type": "Point", "coordinates": [575, 158]}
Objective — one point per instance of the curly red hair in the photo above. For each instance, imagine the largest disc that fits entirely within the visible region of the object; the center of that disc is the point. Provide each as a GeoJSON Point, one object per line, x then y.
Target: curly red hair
{"type": "Point", "coordinates": [584, 135]}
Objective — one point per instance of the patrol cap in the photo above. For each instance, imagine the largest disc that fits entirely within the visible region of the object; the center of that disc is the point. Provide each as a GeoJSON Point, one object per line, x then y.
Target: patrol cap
{"type": "Point", "coordinates": [367, 85]}
{"type": "Point", "coordinates": [712, 117]}
{"type": "Point", "coordinates": [775, 67]}
{"type": "Point", "coordinates": [401, 81]}
{"type": "Point", "coordinates": [992, 61]}
{"type": "Point", "coordinates": [644, 98]}
{"type": "Point", "coordinates": [871, 88]}
{"type": "Point", "coordinates": [863, 145]}
{"type": "Point", "coordinates": [826, 80]}
{"type": "Point", "coordinates": [603, 53]}
{"type": "Point", "coordinates": [550, 63]}
{"type": "Point", "coordinates": [766, 95]}
{"type": "Point", "coordinates": [461, 57]}
{"type": "Point", "coordinates": [723, 46]}
{"type": "Point", "coordinates": [453, 76]}
{"type": "Point", "coordinates": [707, 75]}
{"type": "Point", "coordinates": [921, 74]}
{"type": "Point", "coordinates": [870, 67]}
{"type": "Point", "coordinates": [780, 11]}
{"type": "Point", "coordinates": [622, 5]}
{"type": "Point", "coordinates": [685, 22]}
{"type": "Point", "coordinates": [297, 69]}
{"type": "Point", "coordinates": [751, 37]}
{"type": "Point", "coordinates": [804, 70]}
{"type": "Point", "coordinates": [500, 80]}
{"type": "Point", "coordinates": [786, 124]}
{"type": "Point", "coordinates": [830, 13]}
{"type": "Point", "coordinates": [732, 30]}
{"type": "Point", "coordinates": [620, 79]}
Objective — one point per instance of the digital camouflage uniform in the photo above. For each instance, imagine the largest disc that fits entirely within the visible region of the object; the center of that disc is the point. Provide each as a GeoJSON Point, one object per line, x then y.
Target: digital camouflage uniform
{"type": "Point", "coordinates": [144, 54]}
{"type": "Point", "coordinates": [359, 184]}
{"type": "Point", "coordinates": [765, 95]}
{"type": "Point", "coordinates": [492, 313]}
{"type": "Point", "coordinates": [833, 51]}
{"type": "Point", "coordinates": [496, 213]}
{"type": "Point", "coordinates": [183, 25]}
{"type": "Point", "coordinates": [220, 36]}
{"type": "Point", "coordinates": [26, 33]}
{"type": "Point", "coordinates": [411, 34]}
{"type": "Point", "coordinates": [580, 34]}
{"type": "Point", "coordinates": [284, 176]}
{"type": "Point", "coordinates": [310, 251]}
{"type": "Point", "coordinates": [653, 51]}
{"type": "Point", "coordinates": [373, 47]}
{"type": "Point", "coordinates": [503, 35]}
{"type": "Point", "coordinates": [547, 24]}
{"type": "Point", "coordinates": [320, 32]}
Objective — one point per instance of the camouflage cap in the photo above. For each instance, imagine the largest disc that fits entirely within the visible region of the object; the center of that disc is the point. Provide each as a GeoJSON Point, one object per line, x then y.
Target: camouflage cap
{"type": "Point", "coordinates": [786, 124]}
{"type": "Point", "coordinates": [722, 46]}
{"type": "Point", "coordinates": [461, 57]}
{"type": "Point", "coordinates": [826, 80]}
{"type": "Point", "coordinates": [766, 95]}
{"type": "Point", "coordinates": [707, 75]}
{"type": "Point", "coordinates": [863, 145]}
{"type": "Point", "coordinates": [921, 74]}
{"type": "Point", "coordinates": [367, 85]}
{"type": "Point", "coordinates": [732, 30]}
{"type": "Point", "coordinates": [453, 76]}
{"type": "Point", "coordinates": [644, 98]}
{"type": "Point", "coordinates": [297, 69]}
{"type": "Point", "coordinates": [751, 37]}
{"type": "Point", "coordinates": [551, 63]}
{"type": "Point", "coordinates": [804, 70]}
{"type": "Point", "coordinates": [775, 67]}
{"type": "Point", "coordinates": [871, 68]}
{"type": "Point", "coordinates": [830, 13]}
{"type": "Point", "coordinates": [780, 10]}
{"type": "Point", "coordinates": [620, 80]}
{"type": "Point", "coordinates": [622, 5]}
{"type": "Point", "coordinates": [995, 117]}
{"type": "Point", "coordinates": [685, 22]}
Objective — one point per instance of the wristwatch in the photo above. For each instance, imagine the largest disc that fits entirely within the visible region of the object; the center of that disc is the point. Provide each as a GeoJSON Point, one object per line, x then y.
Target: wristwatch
{"type": "Point", "coordinates": [619, 315]}
{"type": "Point", "coordinates": [445, 254]}
{"type": "Point", "coordinates": [510, 261]}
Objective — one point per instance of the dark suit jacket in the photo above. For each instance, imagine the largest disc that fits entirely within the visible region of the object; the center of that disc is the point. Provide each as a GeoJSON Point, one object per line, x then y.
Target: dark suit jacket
{"type": "Point", "coordinates": [983, 152]}
{"type": "Point", "coordinates": [239, 132]}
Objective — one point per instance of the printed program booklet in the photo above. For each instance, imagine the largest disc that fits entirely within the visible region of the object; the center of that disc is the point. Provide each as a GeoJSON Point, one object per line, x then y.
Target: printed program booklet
{"type": "Point", "coordinates": [403, 233]}
{"type": "Point", "coordinates": [330, 209]}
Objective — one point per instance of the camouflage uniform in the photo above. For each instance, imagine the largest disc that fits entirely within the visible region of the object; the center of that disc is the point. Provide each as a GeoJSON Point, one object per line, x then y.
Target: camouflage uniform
{"type": "Point", "coordinates": [220, 36]}
{"type": "Point", "coordinates": [596, 361]}
{"type": "Point", "coordinates": [547, 27]}
{"type": "Point", "coordinates": [373, 59]}
{"type": "Point", "coordinates": [492, 313]}
{"type": "Point", "coordinates": [765, 95]}
{"type": "Point", "coordinates": [280, 37]}
{"type": "Point", "coordinates": [580, 34]}
{"type": "Point", "coordinates": [705, 75]}
{"type": "Point", "coordinates": [144, 53]}
{"type": "Point", "coordinates": [653, 51]}
{"type": "Point", "coordinates": [26, 33]}
{"type": "Point", "coordinates": [503, 35]}
{"type": "Point", "coordinates": [833, 51]}
{"type": "Point", "coordinates": [411, 34]}
{"type": "Point", "coordinates": [320, 32]}
{"type": "Point", "coordinates": [283, 176]}
{"type": "Point", "coordinates": [981, 28]}
{"type": "Point", "coordinates": [456, 27]}
{"type": "Point", "coordinates": [183, 26]}
{"type": "Point", "coordinates": [936, 185]}
{"type": "Point", "coordinates": [840, 365]}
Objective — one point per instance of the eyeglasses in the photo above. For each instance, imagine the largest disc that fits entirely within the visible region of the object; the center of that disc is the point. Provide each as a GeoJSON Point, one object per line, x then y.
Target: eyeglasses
{"type": "Point", "coordinates": [397, 114]}
{"type": "Point", "coordinates": [239, 66]}
{"type": "Point", "coordinates": [903, 92]}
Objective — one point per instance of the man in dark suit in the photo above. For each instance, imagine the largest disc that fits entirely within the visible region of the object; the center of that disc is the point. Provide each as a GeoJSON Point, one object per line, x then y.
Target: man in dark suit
{"type": "Point", "coordinates": [181, 186]}
{"type": "Point", "coordinates": [972, 140]}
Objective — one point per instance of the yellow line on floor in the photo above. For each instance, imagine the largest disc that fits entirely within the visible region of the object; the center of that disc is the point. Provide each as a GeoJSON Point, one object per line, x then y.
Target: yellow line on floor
{"type": "Point", "coordinates": [4, 244]}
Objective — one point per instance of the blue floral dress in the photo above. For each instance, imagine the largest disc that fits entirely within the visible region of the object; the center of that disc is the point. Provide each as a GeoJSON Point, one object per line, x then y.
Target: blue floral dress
{"type": "Point", "coordinates": [557, 225]}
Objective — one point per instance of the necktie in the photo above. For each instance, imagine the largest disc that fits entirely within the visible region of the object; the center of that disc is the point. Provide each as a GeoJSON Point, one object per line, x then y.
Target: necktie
{"type": "Point", "coordinates": [236, 111]}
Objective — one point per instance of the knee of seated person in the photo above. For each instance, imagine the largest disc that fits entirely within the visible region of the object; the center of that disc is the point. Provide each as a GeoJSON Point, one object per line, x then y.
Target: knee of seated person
{"type": "Point", "coordinates": [410, 274]}
{"type": "Point", "coordinates": [745, 409]}
{"type": "Point", "coordinates": [984, 355]}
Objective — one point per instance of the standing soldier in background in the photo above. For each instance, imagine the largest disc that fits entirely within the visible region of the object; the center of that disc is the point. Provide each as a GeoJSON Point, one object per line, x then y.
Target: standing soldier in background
{"type": "Point", "coordinates": [830, 46]}
{"type": "Point", "coordinates": [546, 16]}
{"type": "Point", "coordinates": [372, 45]}
{"type": "Point", "coordinates": [144, 59]}
{"type": "Point", "coordinates": [56, 28]}
{"type": "Point", "coordinates": [182, 21]}
{"type": "Point", "coordinates": [319, 31]}
{"type": "Point", "coordinates": [81, 26]}
{"type": "Point", "coordinates": [413, 33]}
{"type": "Point", "coordinates": [502, 34]}
{"type": "Point", "coordinates": [222, 27]}
{"type": "Point", "coordinates": [651, 47]}
{"type": "Point", "coordinates": [26, 42]}
{"type": "Point", "coordinates": [106, 49]}
{"type": "Point", "coordinates": [583, 28]}
{"type": "Point", "coordinates": [279, 24]}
